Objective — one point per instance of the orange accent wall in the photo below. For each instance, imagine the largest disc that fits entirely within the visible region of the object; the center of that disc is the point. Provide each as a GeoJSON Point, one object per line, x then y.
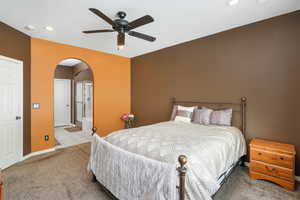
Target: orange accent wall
{"type": "Point", "coordinates": [111, 88]}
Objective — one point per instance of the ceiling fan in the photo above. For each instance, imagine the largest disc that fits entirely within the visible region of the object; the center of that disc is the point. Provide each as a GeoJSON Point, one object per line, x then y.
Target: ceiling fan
{"type": "Point", "coordinates": [122, 26]}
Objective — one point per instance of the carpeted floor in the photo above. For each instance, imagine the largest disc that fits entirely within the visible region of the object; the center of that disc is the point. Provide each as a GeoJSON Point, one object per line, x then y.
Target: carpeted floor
{"type": "Point", "coordinates": [62, 175]}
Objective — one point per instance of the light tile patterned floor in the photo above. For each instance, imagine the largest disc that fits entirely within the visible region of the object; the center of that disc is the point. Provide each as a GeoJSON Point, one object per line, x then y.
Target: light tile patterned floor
{"type": "Point", "coordinates": [67, 139]}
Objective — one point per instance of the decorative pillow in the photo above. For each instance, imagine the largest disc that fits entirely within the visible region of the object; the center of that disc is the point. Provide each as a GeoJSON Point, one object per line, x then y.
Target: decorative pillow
{"type": "Point", "coordinates": [184, 114]}
{"type": "Point", "coordinates": [221, 117]}
{"type": "Point", "coordinates": [202, 116]}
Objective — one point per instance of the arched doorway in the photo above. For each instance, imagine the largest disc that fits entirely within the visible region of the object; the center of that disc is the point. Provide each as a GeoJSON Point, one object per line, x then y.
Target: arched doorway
{"type": "Point", "coordinates": [73, 102]}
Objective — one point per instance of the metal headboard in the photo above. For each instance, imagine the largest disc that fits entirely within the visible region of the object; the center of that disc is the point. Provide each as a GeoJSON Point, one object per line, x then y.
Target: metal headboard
{"type": "Point", "coordinates": [239, 109]}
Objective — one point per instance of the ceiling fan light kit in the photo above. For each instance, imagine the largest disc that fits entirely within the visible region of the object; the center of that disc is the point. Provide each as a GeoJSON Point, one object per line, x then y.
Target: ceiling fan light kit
{"type": "Point", "coordinates": [123, 27]}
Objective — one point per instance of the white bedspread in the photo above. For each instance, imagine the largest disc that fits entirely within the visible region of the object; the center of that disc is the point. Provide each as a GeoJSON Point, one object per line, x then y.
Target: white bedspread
{"type": "Point", "coordinates": [130, 176]}
{"type": "Point", "coordinates": [210, 150]}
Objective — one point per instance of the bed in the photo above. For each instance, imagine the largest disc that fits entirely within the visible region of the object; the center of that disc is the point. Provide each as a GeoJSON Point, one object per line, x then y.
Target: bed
{"type": "Point", "coordinates": [170, 160]}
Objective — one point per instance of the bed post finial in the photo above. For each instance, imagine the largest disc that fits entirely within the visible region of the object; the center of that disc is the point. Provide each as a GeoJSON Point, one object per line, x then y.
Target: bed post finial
{"type": "Point", "coordinates": [243, 99]}
{"type": "Point", "coordinates": [94, 129]}
{"type": "Point", "coordinates": [182, 172]}
{"type": "Point", "coordinates": [182, 160]}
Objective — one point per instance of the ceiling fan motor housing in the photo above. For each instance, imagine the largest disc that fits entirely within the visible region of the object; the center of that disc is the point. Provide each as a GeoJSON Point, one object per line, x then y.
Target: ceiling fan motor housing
{"type": "Point", "coordinates": [121, 24]}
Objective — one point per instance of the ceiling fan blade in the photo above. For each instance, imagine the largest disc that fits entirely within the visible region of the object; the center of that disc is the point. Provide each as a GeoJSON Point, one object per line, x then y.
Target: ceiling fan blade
{"type": "Point", "coordinates": [98, 31]}
{"type": "Point", "coordinates": [141, 21]}
{"type": "Point", "coordinates": [101, 15]}
{"type": "Point", "coordinates": [121, 39]}
{"type": "Point", "coordinates": [142, 36]}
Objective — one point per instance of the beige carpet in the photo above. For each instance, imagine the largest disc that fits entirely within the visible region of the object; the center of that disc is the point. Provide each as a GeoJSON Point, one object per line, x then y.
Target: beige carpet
{"type": "Point", "coordinates": [62, 175]}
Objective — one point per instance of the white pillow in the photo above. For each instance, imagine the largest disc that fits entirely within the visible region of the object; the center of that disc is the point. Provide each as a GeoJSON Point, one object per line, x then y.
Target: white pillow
{"type": "Point", "coordinates": [184, 114]}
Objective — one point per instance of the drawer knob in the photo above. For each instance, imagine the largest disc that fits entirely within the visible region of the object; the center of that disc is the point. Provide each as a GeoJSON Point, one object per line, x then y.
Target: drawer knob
{"type": "Point", "coordinates": [281, 158]}
{"type": "Point", "coordinates": [270, 170]}
{"type": "Point", "coordinates": [259, 153]}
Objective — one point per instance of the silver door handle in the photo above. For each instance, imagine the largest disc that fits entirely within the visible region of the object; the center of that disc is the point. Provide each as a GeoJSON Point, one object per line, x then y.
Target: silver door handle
{"type": "Point", "coordinates": [18, 117]}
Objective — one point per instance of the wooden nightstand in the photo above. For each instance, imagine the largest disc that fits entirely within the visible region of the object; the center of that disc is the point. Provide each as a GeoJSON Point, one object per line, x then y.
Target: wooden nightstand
{"type": "Point", "coordinates": [273, 161]}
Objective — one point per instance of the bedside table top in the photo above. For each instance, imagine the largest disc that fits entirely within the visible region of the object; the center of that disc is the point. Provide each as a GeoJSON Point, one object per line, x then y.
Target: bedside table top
{"type": "Point", "coordinates": [273, 146]}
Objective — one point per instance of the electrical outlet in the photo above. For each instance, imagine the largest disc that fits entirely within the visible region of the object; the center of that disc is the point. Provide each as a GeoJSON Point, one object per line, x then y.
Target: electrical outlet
{"type": "Point", "coordinates": [36, 106]}
{"type": "Point", "coordinates": [46, 137]}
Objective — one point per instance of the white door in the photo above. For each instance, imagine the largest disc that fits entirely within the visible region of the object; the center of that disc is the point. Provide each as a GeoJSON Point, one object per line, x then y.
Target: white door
{"type": "Point", "coordinates": [11, 111]}
{"type": "Point", "coordinates": [62, 101]}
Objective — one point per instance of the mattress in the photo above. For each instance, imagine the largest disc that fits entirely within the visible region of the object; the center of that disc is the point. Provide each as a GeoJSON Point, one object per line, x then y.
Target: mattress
{"type": "Point", "coordinates": [211, 151]}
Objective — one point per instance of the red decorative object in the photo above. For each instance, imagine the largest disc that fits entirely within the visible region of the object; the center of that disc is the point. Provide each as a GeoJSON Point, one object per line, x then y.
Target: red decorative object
{"type": "Point", "coordinates": [128, 120]}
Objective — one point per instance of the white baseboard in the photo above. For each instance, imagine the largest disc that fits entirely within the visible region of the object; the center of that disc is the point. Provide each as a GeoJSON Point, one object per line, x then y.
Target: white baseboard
{"type": "Point", "coordinates": [297, 178]}
{"type": "Point", "coordinates": [37, 153]}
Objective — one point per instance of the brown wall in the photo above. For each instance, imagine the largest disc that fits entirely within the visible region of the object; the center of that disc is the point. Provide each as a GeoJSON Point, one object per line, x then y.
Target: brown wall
{"type": "Point", "coordinates": [63, 72]}
{"type": "Point", "coordinates": [260, 61]}
{"type": "Point", "coordinates": [111, 88]}
{"type": "Point", "coordinates": [15, 44]}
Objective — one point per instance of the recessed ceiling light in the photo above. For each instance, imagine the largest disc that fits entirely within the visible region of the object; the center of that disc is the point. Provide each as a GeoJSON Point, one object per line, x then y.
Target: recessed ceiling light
{"type": "Point", "coordinates": [29, 27]}
{"type": "Point", "coordinates": [49, 28]}
{"type": "Point", "coordinates": [233, 2]}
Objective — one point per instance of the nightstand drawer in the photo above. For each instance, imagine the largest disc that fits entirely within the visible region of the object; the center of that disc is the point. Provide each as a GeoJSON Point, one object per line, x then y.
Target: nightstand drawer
{"type": "Point", "coordinates": [272, 158]}
{"type": "Point", "coordinates": [286, 184]}
{"type": "Point", "coordinates": [272, 170]}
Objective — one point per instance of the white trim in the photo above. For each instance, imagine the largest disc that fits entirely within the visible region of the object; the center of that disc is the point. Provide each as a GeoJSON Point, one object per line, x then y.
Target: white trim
{"type": "Point", "coordinates": [297, 178]}
{"type": "Point", "coordinates": [11, 59]}
{"type": "Point", "coordinates": [22, 102]}
{"type": "Point", "coordinates": [37, 153]}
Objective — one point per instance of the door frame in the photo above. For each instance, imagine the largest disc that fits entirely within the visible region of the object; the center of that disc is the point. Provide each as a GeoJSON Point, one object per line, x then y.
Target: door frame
{"type": "Point", "coordinates": [83, 105]}
{"type": "Point", "coordinates": [73, 90]}
{"type": "Point", "coordinates": [20, 63]}
{"type": "Point", "coordinates": [76, 122]}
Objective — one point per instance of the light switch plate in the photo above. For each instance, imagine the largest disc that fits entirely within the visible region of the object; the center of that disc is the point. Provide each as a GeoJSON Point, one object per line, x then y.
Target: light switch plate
{"type": "Point", "coordinates": [36, 106]}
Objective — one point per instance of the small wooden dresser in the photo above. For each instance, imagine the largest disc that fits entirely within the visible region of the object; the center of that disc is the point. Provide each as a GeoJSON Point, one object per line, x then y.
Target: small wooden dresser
{"type": "Point", "coordinates": [273, 161]}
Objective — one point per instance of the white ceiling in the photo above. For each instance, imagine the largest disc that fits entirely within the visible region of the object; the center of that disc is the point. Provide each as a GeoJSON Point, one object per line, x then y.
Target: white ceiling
{"type": "Point", "coordinates": [176, 21]}
{"type": "Point", "coordinates": [70, 62]}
